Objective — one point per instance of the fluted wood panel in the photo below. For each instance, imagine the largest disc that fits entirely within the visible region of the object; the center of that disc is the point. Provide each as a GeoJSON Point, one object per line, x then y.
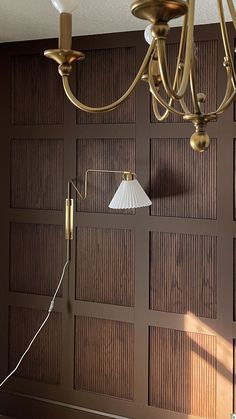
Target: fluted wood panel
{"type": "Point", "coordinates": [234, 279]}
{"type": "Point", "coordinates": [183, 274]}
{"type": "Point", "coordinates": [235, 179]}
{"type": "Point", "coordinates": [36, 258]}
{"type": "Point", "coordinates": [234, 374]}
{"type": "Point", "coordinates": [115, 71]}
{"type": "Point", "coordinates": [206, 76]}
{"type": "Point", "coordinates": [112, 154]}
{"type": "Point", "coordinates": [43, 361]}
{"type": "Point", "coordinates": [183, 182]}
{"type": "Point", "coordinates": [37, 174]}
{"type": "Point", "coordinates": [105, 266]}
{"type": "Point", "coordinates": [183, 372]}
{"type": "Point", "coordinates": [104, 357]}
{"type": "Point", "coordinates": [36, 93]}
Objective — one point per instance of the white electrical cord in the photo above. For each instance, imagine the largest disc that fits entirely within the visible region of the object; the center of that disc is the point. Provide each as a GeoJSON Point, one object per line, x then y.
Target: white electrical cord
{"type": "Point", "coordinates": [42, 325]}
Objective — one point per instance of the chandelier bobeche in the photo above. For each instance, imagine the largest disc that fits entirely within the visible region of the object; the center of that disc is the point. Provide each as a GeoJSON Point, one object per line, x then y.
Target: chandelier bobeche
{"type": "Point", "coordinates": [154, 69]}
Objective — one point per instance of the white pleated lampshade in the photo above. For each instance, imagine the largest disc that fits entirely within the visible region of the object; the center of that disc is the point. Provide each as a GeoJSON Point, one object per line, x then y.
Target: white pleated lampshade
{"type": "Point", "coordinates": [129, 195]}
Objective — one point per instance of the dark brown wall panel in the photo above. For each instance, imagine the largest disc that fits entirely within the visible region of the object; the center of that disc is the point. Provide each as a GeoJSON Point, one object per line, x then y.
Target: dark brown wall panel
{"type": "Point", "coordinates": [234, 280]}
{"type": "Point", "coordinates": [206, 81]}
{"type": "Point", "coordinates": [112, 154]}
{"type": "Point", "coordinates": [115, 71]}
{"type": "Point", "coordinates": [234, 179]}
{"type": "Point", "coordinates": [36, 91]}
{"type": "Point", "coordinates": [183, 372]}
{"type": "Point", "coordinates": [37, 174]}
{"type": "Point", "coordinates": [104, 357]}
{"type": "Point", "coordinates": [183, 182]}
{"type": "Point", "coordinates": [43, 362]}
{"type": "Point", "coordinates": [183, 274]}
{"type": "Point", "coordinates": [36, 258]}
{"type": "Point", "coordinates": [105, 266]}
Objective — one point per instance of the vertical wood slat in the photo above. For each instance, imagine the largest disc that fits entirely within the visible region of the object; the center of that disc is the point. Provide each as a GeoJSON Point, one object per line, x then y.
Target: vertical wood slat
{"type": "Point", "coordinates": [115, 71]}
{"type": "Point", "coordinates": [206, 81]}
{"type": "Point", "coordinates": [111, 154]}
{"type": "Point", "coordinates": [43, 361]}
{"type": "Point", "coordinates": [37, 174]}
{"type": "Point", "coordinates": [36, 93]}
{"type": "Point", "coordinates": [105, 266]}
{"type": "Point", "coordinates": [183, 274]}
{"type": "Point", "coordinates": [104, 357]}
{"type": "Point", "coordinates": [183, 372]}
{"type": "Point", "coordinates": [183, 182]}
{"type": "Point", "coordinates": [36, 258]}
{"type": "Point", "coordinates": [234, 179]}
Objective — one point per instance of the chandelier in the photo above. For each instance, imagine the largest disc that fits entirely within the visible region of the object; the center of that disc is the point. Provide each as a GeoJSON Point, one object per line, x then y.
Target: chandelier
{"type": "Point", "coordinates": [154, 69]}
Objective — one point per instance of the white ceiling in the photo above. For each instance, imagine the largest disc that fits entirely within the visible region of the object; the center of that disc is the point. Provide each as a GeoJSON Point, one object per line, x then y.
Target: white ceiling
{"type": "Point", "coordinates": [37, 19]}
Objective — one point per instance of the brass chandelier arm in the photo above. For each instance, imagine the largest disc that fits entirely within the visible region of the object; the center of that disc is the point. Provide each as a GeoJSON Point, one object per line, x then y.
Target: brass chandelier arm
{"type": "Point", "coordinates": [226, 105]}
{"type": "Point", "coordinates": [160, 100]}
{"type": "Point", "coordinates": [229, 95]}
{"type": "Point", "coordinates": [161, 51]}
{"type": "Point", "coordinates": [226, 41]}
{"type": "Point", "coordinates": [156, 112]}
{"type": "Point", "coordinates": [232, 11]}
{"type": "Point", "coordinates": [178, 74]}
{"type": "Point", "coordinates": [162, 117]}
{"type": "Point", "coordinates": [157, 96]}
{"type": "Point", "coordinates": [85, 108]}
{"type": "Point", "coordinates": [196, 105]}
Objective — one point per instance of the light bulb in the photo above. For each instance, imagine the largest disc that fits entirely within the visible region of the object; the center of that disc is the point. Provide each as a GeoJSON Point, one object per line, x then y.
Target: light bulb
{"type": "Point", "coordinates": [148, 34]}
{"type": "Point", "coordinates": [200, 141]}
{"type": "Point", "coordinates": [65, 6]}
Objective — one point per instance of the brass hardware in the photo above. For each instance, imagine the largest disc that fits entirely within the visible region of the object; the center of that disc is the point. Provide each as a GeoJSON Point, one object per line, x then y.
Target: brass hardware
{"type": "Point", "coordinates": [155, 69]}
{"type": "Point", "coordinates": [64, 56]}
{"type": "Point", "coordinates": [128, 176]}
{"type": "Point", "coordinates": [158, 10]}
{"type": "Point", "coordinates": [69, 217]}
{"type": "Point", "coordinates": [160, 30]}
{"type": "Point", "coordinates": [200, 140]}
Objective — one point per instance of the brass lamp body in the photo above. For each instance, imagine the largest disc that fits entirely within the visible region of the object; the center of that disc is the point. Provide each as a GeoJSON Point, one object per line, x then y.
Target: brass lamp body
{"type": "Point", "coordinates": [154, 69]}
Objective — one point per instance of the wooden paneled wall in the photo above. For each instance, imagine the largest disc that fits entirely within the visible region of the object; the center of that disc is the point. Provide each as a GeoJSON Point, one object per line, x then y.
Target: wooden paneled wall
{"type": "Point", "coordinates": [144, 323]}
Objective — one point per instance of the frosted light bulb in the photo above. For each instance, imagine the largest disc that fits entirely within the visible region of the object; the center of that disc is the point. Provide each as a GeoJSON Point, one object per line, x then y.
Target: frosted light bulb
{"type": "Point", "coordinates": [148, 34]}
{"type": "Point", "coordinates": [65, 6]}
{"type": "Point", "coordinates": [200, 141]}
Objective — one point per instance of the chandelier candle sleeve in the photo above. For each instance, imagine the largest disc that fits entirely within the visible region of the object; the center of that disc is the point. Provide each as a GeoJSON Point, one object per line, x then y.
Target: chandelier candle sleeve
{"type": "Point", "coordinates": [155, 67]}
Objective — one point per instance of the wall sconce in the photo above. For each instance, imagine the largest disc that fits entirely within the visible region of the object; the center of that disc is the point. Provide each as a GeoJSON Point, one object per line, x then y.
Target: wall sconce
{"type": "Point", "coordinates": [129, 195]}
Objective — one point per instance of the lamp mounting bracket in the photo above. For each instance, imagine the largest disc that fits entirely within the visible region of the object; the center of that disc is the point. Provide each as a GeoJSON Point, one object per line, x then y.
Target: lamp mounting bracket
{"type": "Point", "coordinates": [158, 10]}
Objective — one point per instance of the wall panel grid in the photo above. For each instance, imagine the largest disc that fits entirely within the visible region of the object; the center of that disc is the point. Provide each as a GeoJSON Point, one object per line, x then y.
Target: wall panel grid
{"type": "Point", "coordinates": [143, 327]}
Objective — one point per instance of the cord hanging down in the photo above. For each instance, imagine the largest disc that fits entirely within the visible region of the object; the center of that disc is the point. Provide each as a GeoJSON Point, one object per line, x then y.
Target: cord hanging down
{"type": "Point", "coordinates": [51, 306]}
